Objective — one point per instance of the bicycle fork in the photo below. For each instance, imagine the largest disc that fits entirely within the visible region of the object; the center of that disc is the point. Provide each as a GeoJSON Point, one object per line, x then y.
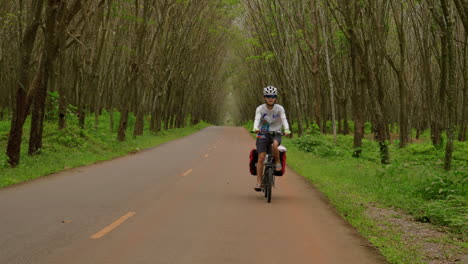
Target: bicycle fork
{"type": "Point", "coordinates": [268, 163]}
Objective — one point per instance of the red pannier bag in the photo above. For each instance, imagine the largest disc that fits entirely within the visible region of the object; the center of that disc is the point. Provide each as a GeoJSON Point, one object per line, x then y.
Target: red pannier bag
{"type": "Point", "coordinates": [254, 160]}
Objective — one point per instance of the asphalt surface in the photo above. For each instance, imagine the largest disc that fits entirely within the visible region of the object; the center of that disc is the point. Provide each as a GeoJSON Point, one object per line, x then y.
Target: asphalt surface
{"type": "Point", "coordinates": [187, 201]}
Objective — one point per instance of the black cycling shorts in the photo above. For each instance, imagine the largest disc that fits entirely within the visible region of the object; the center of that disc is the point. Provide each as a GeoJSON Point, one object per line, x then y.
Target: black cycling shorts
{"type": "Point", "coordinates": [262, 143]}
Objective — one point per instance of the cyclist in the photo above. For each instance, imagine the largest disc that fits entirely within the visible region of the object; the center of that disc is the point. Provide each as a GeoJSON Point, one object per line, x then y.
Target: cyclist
{"type": "Point", "coordinates": [269, 117]}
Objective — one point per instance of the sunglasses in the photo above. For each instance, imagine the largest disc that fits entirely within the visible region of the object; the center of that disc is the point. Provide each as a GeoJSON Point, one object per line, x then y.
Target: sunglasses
{"type": "Point", "coordinates": [270, 96]}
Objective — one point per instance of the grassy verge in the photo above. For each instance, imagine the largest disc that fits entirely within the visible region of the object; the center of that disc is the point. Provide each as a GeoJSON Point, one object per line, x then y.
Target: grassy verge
{"type": "Point", "coordinates": [413, 183]}
{"type": "Point", "coordinates": [74, 147]}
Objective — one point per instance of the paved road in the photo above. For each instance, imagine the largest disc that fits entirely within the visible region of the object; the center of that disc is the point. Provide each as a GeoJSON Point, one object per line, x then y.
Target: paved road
{"type": "Point", "coordinates": [187, 201]}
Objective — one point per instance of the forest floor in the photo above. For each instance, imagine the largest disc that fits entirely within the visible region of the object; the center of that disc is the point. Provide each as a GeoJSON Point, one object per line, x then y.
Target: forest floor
{"type": "Point", "coordinates": [411, 210]}
{"type": "Point", "coordinates": [79, 146]}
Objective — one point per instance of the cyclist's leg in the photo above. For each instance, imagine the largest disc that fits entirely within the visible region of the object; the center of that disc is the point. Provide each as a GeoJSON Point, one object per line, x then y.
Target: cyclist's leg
{"type": "Point", "coordinates": [276, 154]}
{"type": "Point", "coordinates": [261, 159]}
{"type": "Point", "coordinates": [262, 146]}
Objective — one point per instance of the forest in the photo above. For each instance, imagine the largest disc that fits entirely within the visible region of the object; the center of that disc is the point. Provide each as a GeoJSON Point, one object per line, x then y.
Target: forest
{"type": "Point", "coordinates": [399, 66]}
{"type": "Point", "coordinates": [156, 59]}
{"type": "Point", "coordinates": [375, 91]}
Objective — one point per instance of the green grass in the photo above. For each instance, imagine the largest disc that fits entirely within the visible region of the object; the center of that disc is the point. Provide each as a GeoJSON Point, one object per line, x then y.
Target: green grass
{"type": "Point", "coordinates": [74, 147]}
{"type": "Point", "coordinates": [414, 181]}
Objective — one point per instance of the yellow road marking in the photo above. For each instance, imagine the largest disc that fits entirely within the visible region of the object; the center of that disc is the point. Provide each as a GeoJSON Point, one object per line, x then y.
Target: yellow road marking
{"type": "Point", "coordinates": [187, 172]}
{"type": "Point", "coordinates": [112, 226]}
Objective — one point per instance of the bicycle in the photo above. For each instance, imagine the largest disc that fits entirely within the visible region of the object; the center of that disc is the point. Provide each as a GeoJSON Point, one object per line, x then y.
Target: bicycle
{"type": "Point", "coordinates": [268, 178]}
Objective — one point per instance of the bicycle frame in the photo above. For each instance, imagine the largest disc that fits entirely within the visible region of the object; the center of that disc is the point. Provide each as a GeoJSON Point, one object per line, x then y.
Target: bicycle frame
{"type": "Point", "coordinates": [269, 159]}
{"type": "Point", "coordinates": [268, 177]}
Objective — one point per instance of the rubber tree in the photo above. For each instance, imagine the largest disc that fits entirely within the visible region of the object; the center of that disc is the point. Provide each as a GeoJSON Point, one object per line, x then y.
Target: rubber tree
{"type": "Point", "coordinates": [26, 87]}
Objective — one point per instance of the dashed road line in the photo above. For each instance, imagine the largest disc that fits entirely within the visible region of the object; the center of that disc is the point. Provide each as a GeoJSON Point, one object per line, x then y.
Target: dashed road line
{"type": "Point", "coordinates": [187, 172]}
{"type": "Point", "coordinates": [112, 226]}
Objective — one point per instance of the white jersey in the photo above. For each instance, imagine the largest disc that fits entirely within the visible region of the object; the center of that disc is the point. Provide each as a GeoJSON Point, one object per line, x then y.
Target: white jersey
{"type": "Point", "coordinates": [270, 120]}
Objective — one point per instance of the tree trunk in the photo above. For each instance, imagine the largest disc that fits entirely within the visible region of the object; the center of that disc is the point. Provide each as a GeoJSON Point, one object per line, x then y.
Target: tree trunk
{"type": "Point", "coordinates": [23, 94]}
{"type": "Point", "coordinates": [332, 92]}
{"type": "Point", "coordinates": [123, 126]}
{"type": "Point", "coordinates": [464, 118]}
{"type": "Point", "coordinates": [38, 111]}
{"type": "Point", "coordinates": [398, 15]}
{"type": "Point", "coordinates": [62, 112]}
{"type": "Point", "coordinates": [157, 120]}
{"type": "Point", "coordinates": [62, 99]}
{"type": "Point", "coordinates": [166, 122]}
{"type": "Point", "coordinates": [316, 68]}
{"type": "Point", "coordinates": [376, 100]}
{"type": "Point", "coordinates": [81, 117]}
{"type": "Point", "coordinates": [345, 115]}
{"type": "Point", "coordinates": [451, 105]}
{"type": "Point", "coordinates": [357, 101]}
{"type": "Point", "coordinates": [299, 113]}
{"type": "Point", "coordinates": [339, 119]}
{"type": "Point", "coordinates": [111, 119]}
{"type": "Point", "coordinates": [195, 118]}
{"type": "Point", "coordinates": [403, 107]}
{"type": "Point", "coordinates": [55, 25]}
{"type": "Point", "coordinates": [23, 103]}
{"type": "Point", "coordinates": [438, 120]}
{"type": "Point", "coordinates": [139, 124]}
{"type": "Point", "coordinates": [431, 104]}
{"type": "Point", "coordinates": [153, 123]}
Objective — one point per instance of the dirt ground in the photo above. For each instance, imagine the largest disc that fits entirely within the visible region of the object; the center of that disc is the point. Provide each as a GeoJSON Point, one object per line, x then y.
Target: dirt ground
{"type": "Point", "coordinates": [430, 241]}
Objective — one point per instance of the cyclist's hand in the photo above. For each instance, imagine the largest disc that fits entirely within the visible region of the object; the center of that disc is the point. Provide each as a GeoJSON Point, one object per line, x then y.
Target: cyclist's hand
{"type": "Point", "coordinates": [287, 132]}
{"type": "Point", "coordinates": [255, 131]}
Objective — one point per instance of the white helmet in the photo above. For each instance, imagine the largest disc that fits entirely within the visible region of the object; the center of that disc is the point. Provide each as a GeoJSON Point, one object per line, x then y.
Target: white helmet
{"type": "Point", "coordinates": [270, 90]}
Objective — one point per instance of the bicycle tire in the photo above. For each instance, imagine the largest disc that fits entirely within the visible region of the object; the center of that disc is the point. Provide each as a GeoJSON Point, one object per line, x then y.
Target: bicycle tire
{"type": "Point", "coordinates": [269, 185]}
{"type": "Point", "coordinates": [265, 183]}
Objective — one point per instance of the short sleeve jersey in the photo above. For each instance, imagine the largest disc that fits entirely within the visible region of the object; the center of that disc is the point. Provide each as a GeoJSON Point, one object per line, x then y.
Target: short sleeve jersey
{"type": "Point", "coordinates": [270, 120]}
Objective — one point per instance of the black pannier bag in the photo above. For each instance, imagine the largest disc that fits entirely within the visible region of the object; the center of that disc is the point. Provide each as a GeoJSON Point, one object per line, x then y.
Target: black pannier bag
{"type": "Point", "coordinates": [254, 160]}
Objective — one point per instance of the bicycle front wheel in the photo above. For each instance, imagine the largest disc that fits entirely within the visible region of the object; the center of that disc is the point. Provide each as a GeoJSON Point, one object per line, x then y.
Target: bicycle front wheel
{"type": "Point", "coordinates": [265, 183]}
{"type": "Point", "coordinates": [269, 185]}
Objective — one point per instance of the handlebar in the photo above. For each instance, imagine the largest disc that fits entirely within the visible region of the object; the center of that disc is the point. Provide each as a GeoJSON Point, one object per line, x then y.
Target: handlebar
{"type": "Point", "coordinates": [271, 133]}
